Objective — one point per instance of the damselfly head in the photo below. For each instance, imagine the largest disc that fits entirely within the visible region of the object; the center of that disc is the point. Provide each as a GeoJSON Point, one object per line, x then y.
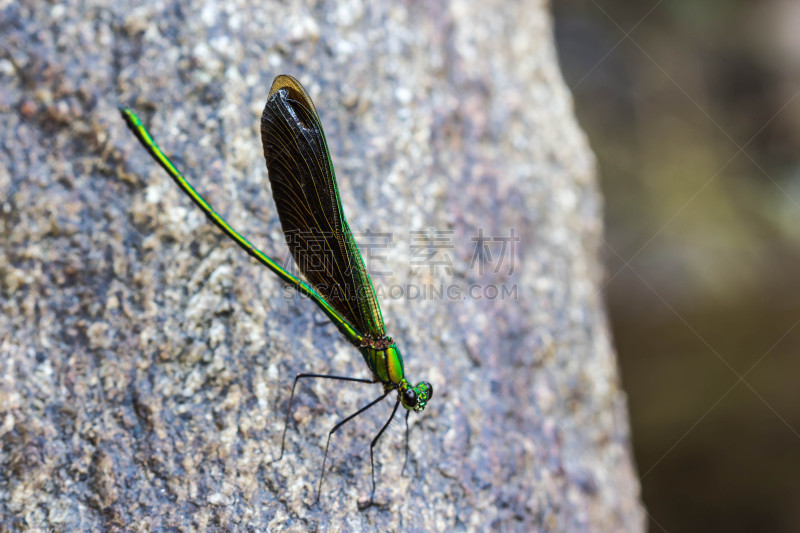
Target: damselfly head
{"type": "Point", "coordinates": [417, 397]}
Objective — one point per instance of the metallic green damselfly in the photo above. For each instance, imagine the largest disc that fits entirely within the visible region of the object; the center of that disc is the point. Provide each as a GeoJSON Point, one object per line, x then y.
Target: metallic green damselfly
{"type": "Point", "coordinates": [319, 238]}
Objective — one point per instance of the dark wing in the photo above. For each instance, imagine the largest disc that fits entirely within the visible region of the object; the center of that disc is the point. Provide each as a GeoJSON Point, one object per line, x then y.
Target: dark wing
{"type": "Point", "coordinates": [305, 193]}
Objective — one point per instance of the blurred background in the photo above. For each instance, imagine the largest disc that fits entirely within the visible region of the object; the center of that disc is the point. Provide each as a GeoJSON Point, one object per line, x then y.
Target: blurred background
{"type": "Point", "coordinates": [693, 111]}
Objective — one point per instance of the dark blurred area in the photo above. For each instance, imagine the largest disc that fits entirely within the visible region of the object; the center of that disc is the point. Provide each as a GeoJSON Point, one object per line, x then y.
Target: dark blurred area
{"type": "Point", "coordinates": [693, 111]}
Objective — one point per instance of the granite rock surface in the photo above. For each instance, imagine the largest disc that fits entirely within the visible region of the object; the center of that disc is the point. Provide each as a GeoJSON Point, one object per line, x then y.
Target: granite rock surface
{"type": "Point", "coordinates": [146, 361]}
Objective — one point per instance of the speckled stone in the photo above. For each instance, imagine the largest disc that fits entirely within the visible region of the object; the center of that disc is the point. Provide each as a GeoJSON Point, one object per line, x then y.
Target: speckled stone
{"type": "Point", "coordinates": [146, 361]}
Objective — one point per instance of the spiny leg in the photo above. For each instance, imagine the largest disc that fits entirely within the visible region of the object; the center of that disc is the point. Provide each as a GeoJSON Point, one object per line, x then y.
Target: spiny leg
{"type": "Point", "coordinates": [291, 399]}
{"type": "Point", "coordinates": [405, 463]}
{"type": "Point", "coordinates": [340, 424]}
{"type": "Point", "coordinates": [372, 448]}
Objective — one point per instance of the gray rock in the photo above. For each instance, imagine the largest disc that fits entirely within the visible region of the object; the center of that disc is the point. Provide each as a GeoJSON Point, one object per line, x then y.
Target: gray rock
{"type": "Point", "coordinates": [146, 360]}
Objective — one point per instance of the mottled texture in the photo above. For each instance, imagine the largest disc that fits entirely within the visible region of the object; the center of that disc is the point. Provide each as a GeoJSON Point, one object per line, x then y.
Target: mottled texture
{"type": "Point", "coordinates": [146, 360]}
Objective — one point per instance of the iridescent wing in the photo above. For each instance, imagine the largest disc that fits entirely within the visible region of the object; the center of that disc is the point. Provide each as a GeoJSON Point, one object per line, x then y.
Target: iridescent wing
{"type": "Point", "coordinates": [309, 207]}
